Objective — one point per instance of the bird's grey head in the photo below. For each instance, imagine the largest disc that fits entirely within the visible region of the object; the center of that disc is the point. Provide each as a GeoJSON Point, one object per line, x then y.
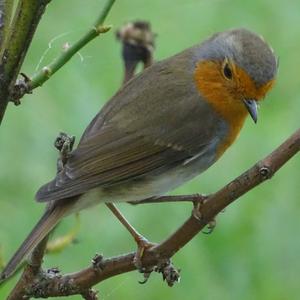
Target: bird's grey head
{"type": "Point", "coordinates": [248, 50]}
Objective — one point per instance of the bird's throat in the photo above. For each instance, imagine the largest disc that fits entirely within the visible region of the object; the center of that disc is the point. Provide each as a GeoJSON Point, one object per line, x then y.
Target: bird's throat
{"type": "Point", "coordinates": [209, 82]}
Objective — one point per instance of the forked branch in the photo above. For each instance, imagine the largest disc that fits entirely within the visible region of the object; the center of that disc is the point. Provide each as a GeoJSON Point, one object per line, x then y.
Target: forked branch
{"type": "Point", "coordinates": [26, 85]}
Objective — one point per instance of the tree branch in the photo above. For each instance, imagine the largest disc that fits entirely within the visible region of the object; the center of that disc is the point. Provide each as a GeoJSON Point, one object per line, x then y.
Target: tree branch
{"type": "Point", "coordinates": [80, 282]}
{"type": "Point", "coordinates": [31, 271]}
{"type": "Point", "coordinates": [19, 36]}
{"type": "Point", "coordinates": [28, 84]}
{"type": "Point", "coordinates": [6, 7]}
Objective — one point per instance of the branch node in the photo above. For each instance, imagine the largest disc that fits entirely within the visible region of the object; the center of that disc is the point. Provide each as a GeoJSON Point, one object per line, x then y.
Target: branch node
{"type": "Point", "coordinates": [98, 262]}
{"type": "Point", "coordinates": [53, 272]}
{"type": "Point", "coordinates": [21, 88]}
{"type": "Point", "coordinates": [265, 172]}
{"type": "Point", "coordinates": [169, 273]}
{"type": "Point", "coordinates": [64, 144]}
{"type": "Point", "coordinates": [47, 71]}
{"type": "Point", "coordinates": [103, 29]}
{"type": "Point", "coordinates": [90, 294]}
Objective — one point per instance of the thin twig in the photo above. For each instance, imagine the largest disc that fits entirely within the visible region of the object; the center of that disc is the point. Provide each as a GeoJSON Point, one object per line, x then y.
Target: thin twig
{"type": "Point", "coordinates": [26, 86]}
{"type": "Point", "coordinates": [77, 283]}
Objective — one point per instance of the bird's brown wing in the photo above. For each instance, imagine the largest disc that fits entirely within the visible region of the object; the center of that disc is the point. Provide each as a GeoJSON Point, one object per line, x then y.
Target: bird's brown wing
{"type": "Point", "coordinates": [147, 127]}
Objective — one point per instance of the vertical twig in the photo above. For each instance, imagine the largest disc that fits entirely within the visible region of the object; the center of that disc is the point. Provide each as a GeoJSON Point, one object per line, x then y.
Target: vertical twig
{"type": "Point", "coordinates": [19, 36]}
{"type": "Point", "coordinates": [6, 7]}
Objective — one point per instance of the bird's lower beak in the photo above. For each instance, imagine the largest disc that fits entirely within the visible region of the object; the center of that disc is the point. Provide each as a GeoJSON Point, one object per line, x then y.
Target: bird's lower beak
{"type": "Point", "coordinates": [251, 106]}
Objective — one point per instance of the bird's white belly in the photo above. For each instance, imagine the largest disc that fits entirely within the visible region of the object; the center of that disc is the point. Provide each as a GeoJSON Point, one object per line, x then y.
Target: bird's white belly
{"type": "Point", "coordinates": [150, 186]}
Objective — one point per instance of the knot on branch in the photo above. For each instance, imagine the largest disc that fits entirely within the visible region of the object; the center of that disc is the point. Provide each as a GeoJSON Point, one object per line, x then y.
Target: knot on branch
{"type": "Point", "coordinates": [90, 294]}
{"type": "Point", "coordinates": [103, 29]}
{"type": "Point", "coordinates": [98, 262]}
{"type": "Point", "coordinates": [21, 88]}
{"type": "Point", "coordinates": [53, 272]}
{"type": "Point", "coordinates": [265, 172]}
{"type": "Point", "coordinates": [43, 282]}
{"type": "Point", "coordinates": [170, 273]}
{"type": "Point", "coordinates": [64, 144]}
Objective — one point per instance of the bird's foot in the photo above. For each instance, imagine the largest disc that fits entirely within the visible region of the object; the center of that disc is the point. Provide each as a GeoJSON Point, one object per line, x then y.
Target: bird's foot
{"type": "Point", "coordinates": [198, 203]}
{"type": "Point", "coordinates": [211, 225]}
{"type": "Point", "coordinates": [143, 245]}
{"type": "Point", "coordinates": [196, 213]}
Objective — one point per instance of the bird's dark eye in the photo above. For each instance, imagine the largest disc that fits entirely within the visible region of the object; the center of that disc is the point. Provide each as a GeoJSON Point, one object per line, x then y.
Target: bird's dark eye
{"type": "Point", "coordinates": [227, 71]}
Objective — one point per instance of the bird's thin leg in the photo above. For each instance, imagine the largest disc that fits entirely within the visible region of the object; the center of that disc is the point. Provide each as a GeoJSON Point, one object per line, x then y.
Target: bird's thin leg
{"type": "Point", "coordinates": [135, 234]}
{"type": "Point", "coordinates": [141, 241]}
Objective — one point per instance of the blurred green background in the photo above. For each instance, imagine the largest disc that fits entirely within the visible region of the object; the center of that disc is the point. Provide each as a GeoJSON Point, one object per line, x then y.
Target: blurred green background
{"type": "Point", "coordinates": [254, 251]}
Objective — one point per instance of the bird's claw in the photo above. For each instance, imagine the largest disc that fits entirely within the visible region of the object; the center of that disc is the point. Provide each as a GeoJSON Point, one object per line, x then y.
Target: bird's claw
{"type": "Point", "coordinates": [210, 226]}
{"type": "Point", "coordinates": [143, 244]}
{"type": "Point", "coordinates": [196, 213]}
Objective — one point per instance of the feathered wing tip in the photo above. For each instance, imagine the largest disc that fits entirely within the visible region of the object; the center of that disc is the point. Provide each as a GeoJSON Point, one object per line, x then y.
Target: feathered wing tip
{"type": "Point", "coordinates": [47, 222]}
{"type": "Point", "coordinates": [44, 192]}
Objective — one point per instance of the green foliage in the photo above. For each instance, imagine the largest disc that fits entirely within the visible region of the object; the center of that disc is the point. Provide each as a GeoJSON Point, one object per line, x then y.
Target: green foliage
{"type": "Point", "coordinates": [254, 251]}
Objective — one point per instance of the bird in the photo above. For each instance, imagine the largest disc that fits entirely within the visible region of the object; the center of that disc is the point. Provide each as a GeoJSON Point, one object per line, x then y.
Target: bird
{"type": "Point", "coordinates": [165, 126]}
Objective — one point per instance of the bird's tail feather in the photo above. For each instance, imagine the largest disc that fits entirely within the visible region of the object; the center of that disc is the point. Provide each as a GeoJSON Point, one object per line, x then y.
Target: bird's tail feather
{"type": "Point", "coordinates": [47, 222]}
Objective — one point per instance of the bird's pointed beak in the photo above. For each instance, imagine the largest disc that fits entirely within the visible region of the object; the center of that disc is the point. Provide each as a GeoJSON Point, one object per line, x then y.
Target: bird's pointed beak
{"type": "Point", "coordinates": [251, 106]}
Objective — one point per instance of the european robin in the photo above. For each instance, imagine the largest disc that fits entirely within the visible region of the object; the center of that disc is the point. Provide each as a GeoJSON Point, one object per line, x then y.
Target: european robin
{"type": "Point", "coordinates": [164, 127]}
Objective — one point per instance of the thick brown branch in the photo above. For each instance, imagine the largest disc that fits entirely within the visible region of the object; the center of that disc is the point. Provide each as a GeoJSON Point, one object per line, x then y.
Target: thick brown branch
{"type": "Point", "coordinates": [78, 283]}
{"type": "Point", "coordinates": [6, 7]}
{"type": "Point", "coordinates": [24, 24]}
{"type": "Point", "coordinates": [31, 271]}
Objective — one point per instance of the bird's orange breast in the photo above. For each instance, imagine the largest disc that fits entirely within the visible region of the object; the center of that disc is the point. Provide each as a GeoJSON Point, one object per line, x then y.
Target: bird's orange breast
{"type": "Point", "coordinates": [225, 96]}
{"type": "Point", "coordinates": [210, 83]}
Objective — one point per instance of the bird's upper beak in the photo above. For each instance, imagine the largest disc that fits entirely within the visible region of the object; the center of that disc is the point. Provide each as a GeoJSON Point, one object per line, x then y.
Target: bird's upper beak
{"type": "Point", "coordinates": [251, 106]}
